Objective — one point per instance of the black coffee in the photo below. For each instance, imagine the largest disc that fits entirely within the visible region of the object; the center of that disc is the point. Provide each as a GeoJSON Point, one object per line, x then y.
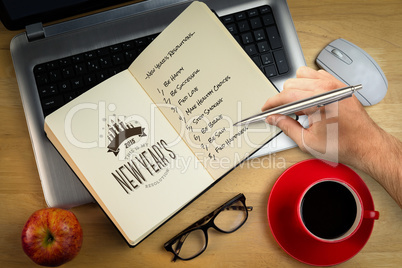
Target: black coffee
{"type": "Point", "coordinates": [328, 210]}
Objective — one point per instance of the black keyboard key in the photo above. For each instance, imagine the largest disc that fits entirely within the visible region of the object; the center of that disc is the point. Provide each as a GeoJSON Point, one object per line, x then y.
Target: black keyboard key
{"type": "Point", "coordinates": [256, 23]}
{"type": "Point", "coordinates": [40, 68]}
{"type": "Point", "coordinates": [90, 55]}
{"type": "Point", "coordinates": [243, 26]}
{"type": "Point", "coordinates": [69, 96]}
{"type": "Point", "coordinates": [114, 70]}
{"type": "Point", "coordinates": [141, 42]}
{"type": "Point", "coordinates": [51, 103]}
{"type": "Point", "coordinates": [47, 90]}
{"type": "Point", "coordinates": [106, 62]}
{"type": "Point", "coordinates": [247, 38]}
{"type": "Point", "coordinates": [80, 68]}
{"type": "Point", "coordinates": [265, 9]}
{"type": "Point", "coordinates": [128, 45]}
{"type": "Point", "coordinates": [65, 86]}
{"type": "Point", "coordinates": [251, 50]}
{"type": "Point", "coordinates": [52, 65]}
{"type": "Point", "coordinates": [118, 59]}
{"type": "Point", "coordinates": [240, 16]}
{"type": "Point", "coordinates": [267, 58]}
{"type": "Point", "coordinates": [93, 65]}
{"type": "Point", "coordinates": [53, 90]}
{"type": "Point", "coordinates": [281, 62]}
{"type": "Point", "coordinates": [76, 83]}
{"type": "Point", "coordinates": [252, 12]}
{"type": "Point", "coordinates": [55, 76]}
{"type": "Point", "coordinates": [130, 55]}
{"type": "Point", "coordinates": [68, 72]}
{"type": "Point", "coordinates": [259, 35]}
{"type": "Point", "coordinates": [257, 61]}
{"type": "Point", "coordinates": [115, 48]}
{"type": "Point", "coordinates": [228, 19]}
{"type": "Point", "coordinates": [41, 79]}
{"type": "Point", "coordinates": [270, 71]}
{"type": "Point", "coordinates": [90, 79]}
{"type": "Point", "coordinates": [102, 51]}
{"type": "Point", "coordinates": [103, 75]}
{"type": "Point", "coordinates": [273, 37]}
{"type": "Point", "coordinates": [263, 47]}
{"type": "Point", "coordinates": [268, 19]}
{"type": "Point", "coordinates": [77, 58]}
{"type": "Point", "coordinates": [232, 28]}
{"type": "Point", "coordinates": [65, 62]}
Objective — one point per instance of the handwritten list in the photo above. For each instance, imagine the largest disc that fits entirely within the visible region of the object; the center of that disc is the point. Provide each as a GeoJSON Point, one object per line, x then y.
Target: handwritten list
{"type": "Point", "coordinates": [200, 82]}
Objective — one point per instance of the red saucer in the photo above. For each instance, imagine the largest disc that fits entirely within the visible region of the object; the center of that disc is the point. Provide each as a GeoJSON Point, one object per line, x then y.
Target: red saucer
{"type": "Point", "coordinates": [282, 216]}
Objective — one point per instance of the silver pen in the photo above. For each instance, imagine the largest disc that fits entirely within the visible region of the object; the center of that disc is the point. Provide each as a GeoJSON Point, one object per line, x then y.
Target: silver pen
{"type": "Point", "coordinates": [293, 107]}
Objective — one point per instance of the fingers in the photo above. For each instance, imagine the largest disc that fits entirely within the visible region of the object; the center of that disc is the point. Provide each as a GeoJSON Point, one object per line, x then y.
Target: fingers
{"type": "Point", "coordinates": [282, 98]}
{"type": "Point", "coordinates": [309, 82]}
{"type": "Point", "coordinates": [289, 126]}
{"type": "Point", "coordinates": [318, 79]}
{"type": "Point", "coordinates": [325, 74]}
{"type": "Point", "coordinates": [305, 84]}
{"type": "Point", "coordinates": [293, 90]}
{"type": "Point", "coordinates": [307, 72]}
{"type": "Point", "coordinates": [317, 85]}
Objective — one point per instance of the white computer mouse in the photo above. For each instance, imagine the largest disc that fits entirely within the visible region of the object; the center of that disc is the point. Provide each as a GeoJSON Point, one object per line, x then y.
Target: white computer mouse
{"type": "Point", "coordinates": [352, 65]}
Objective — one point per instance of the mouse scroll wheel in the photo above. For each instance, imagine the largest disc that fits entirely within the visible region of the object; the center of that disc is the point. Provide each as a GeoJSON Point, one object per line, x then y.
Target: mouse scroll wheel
{"type": "Point", "coordinates": [337, 53]}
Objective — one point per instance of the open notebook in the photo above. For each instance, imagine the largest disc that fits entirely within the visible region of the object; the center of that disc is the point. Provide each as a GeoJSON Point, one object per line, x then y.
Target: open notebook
{"type": "Point", "coordinates": [149, 140]}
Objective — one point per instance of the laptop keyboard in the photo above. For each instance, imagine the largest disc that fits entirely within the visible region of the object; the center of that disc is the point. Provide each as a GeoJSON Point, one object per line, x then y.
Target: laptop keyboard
{"type": "Point", "coordinates": [60, 81]}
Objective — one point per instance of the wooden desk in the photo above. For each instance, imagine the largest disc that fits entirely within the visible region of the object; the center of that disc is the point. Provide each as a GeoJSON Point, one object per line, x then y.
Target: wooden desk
{"type": "Point", "coordinates": [375, 26]}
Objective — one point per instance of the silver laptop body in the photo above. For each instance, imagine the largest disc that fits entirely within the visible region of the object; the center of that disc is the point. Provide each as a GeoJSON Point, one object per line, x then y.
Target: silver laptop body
{"type": "Point", "coordinates": [41, 44]}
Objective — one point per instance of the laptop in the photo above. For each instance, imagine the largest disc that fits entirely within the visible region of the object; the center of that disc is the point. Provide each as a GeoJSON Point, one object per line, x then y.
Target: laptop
{"type": "Point", "coordinates": [48, 56]}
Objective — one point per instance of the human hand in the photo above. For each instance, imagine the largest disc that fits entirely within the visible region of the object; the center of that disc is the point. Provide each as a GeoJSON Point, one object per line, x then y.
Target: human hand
{"type": "Point", "coordinates": [341, 131]}
{"type": "Point", "coordinates": [338, 132]}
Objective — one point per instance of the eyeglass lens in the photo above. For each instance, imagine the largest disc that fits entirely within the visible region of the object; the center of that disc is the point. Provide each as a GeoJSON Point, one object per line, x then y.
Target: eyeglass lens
{"type": "Point", "coordinates": [232, 217]}
{"type": "Point", "coordinates": [194, 242]}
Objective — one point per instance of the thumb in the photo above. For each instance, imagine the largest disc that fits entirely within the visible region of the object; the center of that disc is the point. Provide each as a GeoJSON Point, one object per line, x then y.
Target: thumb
{"type": "Point", "coordinates": [289, 126]}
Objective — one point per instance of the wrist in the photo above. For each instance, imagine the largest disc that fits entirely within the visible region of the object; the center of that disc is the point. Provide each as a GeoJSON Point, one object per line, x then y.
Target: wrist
{"type": "Point", "coordinates": [381, 160]}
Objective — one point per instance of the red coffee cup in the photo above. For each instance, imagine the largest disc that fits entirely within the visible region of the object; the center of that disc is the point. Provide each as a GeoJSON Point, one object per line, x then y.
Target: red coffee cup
{"type": "Point", "coordinates": [331, 210]}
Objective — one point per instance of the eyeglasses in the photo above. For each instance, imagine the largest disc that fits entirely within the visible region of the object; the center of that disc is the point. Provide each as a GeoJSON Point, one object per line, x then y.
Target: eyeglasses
{"type": "Point", "coordinates": [193, 241]}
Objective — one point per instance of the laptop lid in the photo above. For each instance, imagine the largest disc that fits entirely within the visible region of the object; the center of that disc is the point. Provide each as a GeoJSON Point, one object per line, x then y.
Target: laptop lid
{"type": "Point", "coordinates": [17, 14]}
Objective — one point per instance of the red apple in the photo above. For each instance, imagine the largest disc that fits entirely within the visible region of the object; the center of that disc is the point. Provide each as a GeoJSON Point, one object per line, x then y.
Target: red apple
{"type": "Point", "coordinates": [52, 236]}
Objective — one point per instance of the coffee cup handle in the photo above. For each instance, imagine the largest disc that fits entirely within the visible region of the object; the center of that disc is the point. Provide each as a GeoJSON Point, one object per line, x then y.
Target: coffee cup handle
{"type": "Point", "coordinates": [371, 214]}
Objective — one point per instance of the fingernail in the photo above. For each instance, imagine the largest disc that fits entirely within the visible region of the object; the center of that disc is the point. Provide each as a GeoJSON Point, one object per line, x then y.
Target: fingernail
{"type": "Point", "coordinates": [270, 120]}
